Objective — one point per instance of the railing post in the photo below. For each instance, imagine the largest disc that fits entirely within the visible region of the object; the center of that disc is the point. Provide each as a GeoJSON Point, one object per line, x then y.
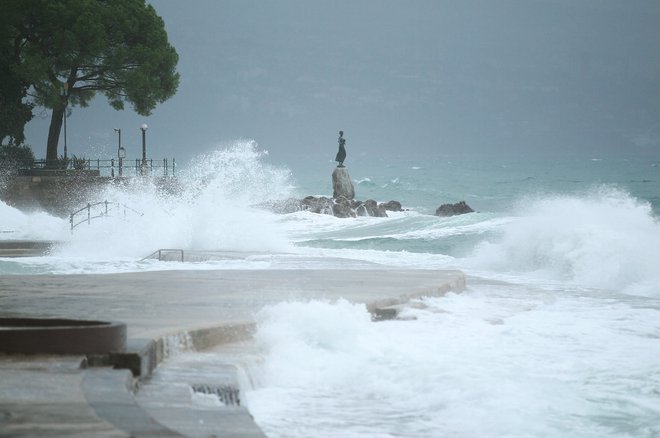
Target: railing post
{"type": "Point", "coordinates": [164, 166]}
{"type": "Point", "coordinates": [106, 208]}
{"type": "Point", "coordinates": [71, 222]}
{"type": "Point", "coordinates": [112, 167]}
{"type": "Point", "coordinates": [89, 215]}
{"type": "Point", "coordinates": [120, 166]}
{"type": "Point", "coordinates": [173, 166]}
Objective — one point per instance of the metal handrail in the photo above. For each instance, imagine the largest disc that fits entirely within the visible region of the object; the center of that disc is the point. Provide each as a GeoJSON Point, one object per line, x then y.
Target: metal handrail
{"type": "Point", "coordinates": [105, 212]}
{"type": "Point", "coordinates": [161, 251]}
{"type": "Point", "coordinates": [121, 165]}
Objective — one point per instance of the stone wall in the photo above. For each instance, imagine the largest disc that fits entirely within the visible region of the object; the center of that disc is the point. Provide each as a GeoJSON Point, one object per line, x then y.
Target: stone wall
{"type": "Point", "coordinates": [61, 192]}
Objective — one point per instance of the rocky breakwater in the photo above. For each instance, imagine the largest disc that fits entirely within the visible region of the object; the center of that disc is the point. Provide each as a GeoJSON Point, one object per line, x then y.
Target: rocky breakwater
{"type": "Point", "coordinates": [446, 210]}
{"type": "Point", "coordinates": [342, 204]}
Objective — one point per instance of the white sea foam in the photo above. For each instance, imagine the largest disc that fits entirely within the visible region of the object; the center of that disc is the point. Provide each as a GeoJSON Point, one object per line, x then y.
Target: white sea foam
{"type": "Point", "coordinates": [213, 211]}
{"type": "Point", "coordinates": [498, 360]}
{"type": "Point", "coordinates": [365, 182]}
{"type": "Point", "coordinates": [17, 225]}
{"type": "Point", "coordinates": [604, 239]}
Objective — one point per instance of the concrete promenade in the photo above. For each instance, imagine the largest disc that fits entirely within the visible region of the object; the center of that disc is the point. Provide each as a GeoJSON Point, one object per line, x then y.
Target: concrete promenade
{"type": "Point", "coordinates": [71, 396]}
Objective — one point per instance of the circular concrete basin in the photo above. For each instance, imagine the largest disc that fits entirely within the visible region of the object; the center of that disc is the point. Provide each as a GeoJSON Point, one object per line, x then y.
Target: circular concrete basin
{"type": "Point", "coordinates": [60, 336]}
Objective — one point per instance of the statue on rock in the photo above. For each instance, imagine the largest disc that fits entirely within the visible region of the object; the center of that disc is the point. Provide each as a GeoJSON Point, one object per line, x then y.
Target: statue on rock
{"type": "Point", "coordinates": [341, 154]}
{"type": "Point", "coordinates": [342, 185]}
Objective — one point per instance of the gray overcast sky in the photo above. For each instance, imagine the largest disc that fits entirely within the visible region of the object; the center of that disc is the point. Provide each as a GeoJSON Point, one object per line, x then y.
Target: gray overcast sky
{"type": "Point", "coordinates": [399, 77]}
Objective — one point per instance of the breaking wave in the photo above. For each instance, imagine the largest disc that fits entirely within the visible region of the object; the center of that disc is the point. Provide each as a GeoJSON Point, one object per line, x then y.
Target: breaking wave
{"type": "Point", "coordinates": [604, 239]}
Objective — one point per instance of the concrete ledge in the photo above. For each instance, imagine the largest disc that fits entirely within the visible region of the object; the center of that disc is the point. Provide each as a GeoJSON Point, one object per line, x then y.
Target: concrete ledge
{"type": "Point", "coordinates": [141, 355]}
{"type": "Point", "coordinates": [60, 336]}
{"type": "Point", "coordinates": [205, 338]}
{"type": "Point", "coordinates": [109, 393]}
{"type": "Point", "coordinates": [140, 358]}
{"type": "Point", "coordinates": [382, 307]}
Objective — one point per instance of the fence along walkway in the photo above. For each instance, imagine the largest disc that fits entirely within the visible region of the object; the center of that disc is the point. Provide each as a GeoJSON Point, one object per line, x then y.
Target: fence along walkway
{"type": "Point", "coordinates": [162, 254]}
{"type": "Point", "coordinates": [99, 210]}
{"type": "Point", "coordinates": [123, 167]}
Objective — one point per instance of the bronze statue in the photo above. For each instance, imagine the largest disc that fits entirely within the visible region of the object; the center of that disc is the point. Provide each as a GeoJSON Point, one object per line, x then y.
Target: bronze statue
{"type": "Point", "coordinates": [341, 154]}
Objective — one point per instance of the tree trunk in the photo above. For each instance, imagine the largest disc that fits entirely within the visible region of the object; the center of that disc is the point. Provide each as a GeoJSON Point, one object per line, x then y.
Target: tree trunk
{"type": "Point", "coordinates": [54, 135]}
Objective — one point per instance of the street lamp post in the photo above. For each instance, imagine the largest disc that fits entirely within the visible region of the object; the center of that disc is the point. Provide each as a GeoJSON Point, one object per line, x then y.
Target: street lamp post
{"type": "Point", "coordinates": [144, 128]}
{"type": "Point", "coordinates": [65, 92]}
{"type": "Point", "coordinates": [121, 152]}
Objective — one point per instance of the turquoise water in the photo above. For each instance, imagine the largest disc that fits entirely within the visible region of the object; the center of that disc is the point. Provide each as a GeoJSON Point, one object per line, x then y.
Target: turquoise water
{"type": "Point", "coordinates": [488, 184]}
{"type": "Point", "coordinates": [495, 188]}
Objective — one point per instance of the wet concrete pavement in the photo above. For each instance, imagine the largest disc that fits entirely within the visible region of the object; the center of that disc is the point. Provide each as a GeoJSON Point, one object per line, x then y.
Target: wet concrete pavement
{"type": "Point", "coordinates": [64, 396]}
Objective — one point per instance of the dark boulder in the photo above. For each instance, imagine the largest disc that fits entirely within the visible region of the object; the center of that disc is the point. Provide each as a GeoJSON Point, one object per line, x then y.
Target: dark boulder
{"type": "Point", "coordinates": [368, 208]}
{"type": "Point", "coordinates": [339, 207]}
{"type": "Point", "coordinates": [320, 205]}
{"type": "Point", "coordinates": [373, 209]}
{"type": "Point", "coordinates": [446, 210]}
{"type": "Point", "coordinates": [342, 208]}
{"type": "Point", "coordinates": [391, 206]}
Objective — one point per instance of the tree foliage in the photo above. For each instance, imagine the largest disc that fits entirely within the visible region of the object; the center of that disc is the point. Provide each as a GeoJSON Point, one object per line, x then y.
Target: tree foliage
{"type": "Point", "coordinates": [14, 111]}
{"type": "Point", "coordinates": [15, 158]}
{"type": "Point", "coordinates": [70, 50]}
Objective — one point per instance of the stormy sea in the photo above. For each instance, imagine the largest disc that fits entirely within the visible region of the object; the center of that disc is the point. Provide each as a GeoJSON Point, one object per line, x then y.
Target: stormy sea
{"type": "Point", "coordinates": [557, 334]}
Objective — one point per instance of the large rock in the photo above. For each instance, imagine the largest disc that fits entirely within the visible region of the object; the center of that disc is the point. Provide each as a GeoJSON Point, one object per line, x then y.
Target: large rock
{"type": "Point", "coordinates": [373, 209]}
{"type": "Point", "coordinates": [342, 186]}
{"type": "Point", "coordinates": [342, 208]}
{"type": "Point", "coordinates": [446, 210]}
{"type": "Point", "coordinates": [338, 207]}
{"type": "Point", "coordinates": [320, 205]}
{"type": "Point", "coordinates": [391, 206]}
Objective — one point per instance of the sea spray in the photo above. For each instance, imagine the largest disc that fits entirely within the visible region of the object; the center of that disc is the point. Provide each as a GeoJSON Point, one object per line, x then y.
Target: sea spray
{"type": "Point", "coordinates": [37, 225]}
{"type": "Point", "coordinates": [238, 173]}
{"type": "Point", "coordinates": [497, 360]}
{"type": "Point", "coordinates": [602, 239]}
{"type": "Point", "coordinates": [309, 332]}
{"type": "Point", "coordinates": [213, 210]}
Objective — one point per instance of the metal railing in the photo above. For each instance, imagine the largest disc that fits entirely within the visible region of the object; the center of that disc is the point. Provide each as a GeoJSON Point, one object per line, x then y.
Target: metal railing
{"type": "Point", "coordinates": [119, 167]}
{"type": "Point", "coordinates": [100, 210]}
{"type": "Point", "coordinates": [161, 252]}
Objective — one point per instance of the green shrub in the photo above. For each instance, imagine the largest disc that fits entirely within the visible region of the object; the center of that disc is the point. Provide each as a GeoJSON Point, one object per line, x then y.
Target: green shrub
{"type": "Point", "coordinates": [79, 163]}
{"type": "Point", "coordinates": [16, 158]}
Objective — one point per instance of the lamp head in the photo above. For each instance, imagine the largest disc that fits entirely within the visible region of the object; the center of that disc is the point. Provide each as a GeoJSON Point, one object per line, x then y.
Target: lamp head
{"type": "Point", "coordinates": [144, 127]}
